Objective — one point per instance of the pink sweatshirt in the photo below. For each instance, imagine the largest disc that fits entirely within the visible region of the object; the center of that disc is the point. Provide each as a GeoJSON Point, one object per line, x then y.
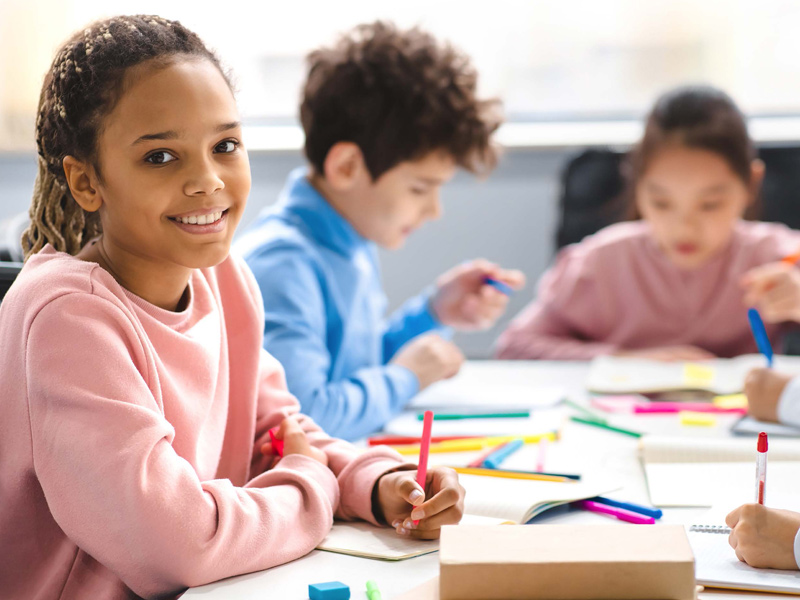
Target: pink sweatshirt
{"type": "Point", "coordinates": [130, 437]}
{"type": "Point", "coordinates": [616, 290]}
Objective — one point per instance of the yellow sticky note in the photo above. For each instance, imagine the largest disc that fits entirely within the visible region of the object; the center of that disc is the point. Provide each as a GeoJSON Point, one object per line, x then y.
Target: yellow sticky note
{"type": "Point", "coordinates": [731, 401]}
{"type": "Point", "coordinates": [696, 375]}
{"type": "Point", "coordinates": [697, 419]}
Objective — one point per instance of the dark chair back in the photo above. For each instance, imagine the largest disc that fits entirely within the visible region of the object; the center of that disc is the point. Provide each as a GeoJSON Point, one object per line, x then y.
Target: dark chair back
{"type": "Point", "coordinates": [8, 273]}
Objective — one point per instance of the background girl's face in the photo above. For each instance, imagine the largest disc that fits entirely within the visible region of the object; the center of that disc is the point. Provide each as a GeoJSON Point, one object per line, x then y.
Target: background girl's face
{"type": "Point", "coordinates": [174, 173]}
{"type": "Point", "coordinates": [691, 199]}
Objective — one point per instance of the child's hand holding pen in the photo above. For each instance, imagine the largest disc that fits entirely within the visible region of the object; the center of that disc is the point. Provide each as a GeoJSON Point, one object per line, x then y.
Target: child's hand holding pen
{"type": "Point", "coordinates": [764, 537]}
{"type": "Point", "coordinates": [401, 501]}
{"type": "Point", "coordinates": [774, 289]}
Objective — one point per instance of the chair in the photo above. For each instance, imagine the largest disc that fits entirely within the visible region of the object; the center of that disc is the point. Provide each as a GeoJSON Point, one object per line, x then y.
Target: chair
{"type": "Point", "coordinates": [10, 237]}
{"type": "Point", "coordinates": [8, 273]}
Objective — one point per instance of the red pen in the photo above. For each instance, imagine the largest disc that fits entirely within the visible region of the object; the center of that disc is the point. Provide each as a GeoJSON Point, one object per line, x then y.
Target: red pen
{"type": "Point", "coordinates": [424, 447]}
{"type": "Point", "coordinates": [277, 445]}
{"type": "Point", "coordinates": [761, 468]}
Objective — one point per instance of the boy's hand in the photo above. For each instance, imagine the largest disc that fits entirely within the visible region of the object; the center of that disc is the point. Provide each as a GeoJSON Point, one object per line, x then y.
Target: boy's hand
{"type": "Point", "coordinates": [764, 537]}
{"type": "Point", "coordinates": [774, 289]}
{"type": "Point", "coordinates": [465, 301]}
{"type": "Point", "coordinates": [295, 442]}
{"type": "Point", "coordinates": [398, 494]}
{"type": "Point", "coordinates": [763, 388]}
{"type": "Point", "coordinates": [430, 358]}
{"type": "Point", "coordinates": [668, 353]}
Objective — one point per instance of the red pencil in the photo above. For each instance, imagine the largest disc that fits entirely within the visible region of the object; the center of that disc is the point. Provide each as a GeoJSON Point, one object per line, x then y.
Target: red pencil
{"type": "Point", "coordinates": [400, 440]}
{"type": "Point", "coordinates": [424, 447]}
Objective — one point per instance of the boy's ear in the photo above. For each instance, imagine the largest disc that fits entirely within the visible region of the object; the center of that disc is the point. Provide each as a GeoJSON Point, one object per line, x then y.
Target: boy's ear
{"type": "Point", "coordinates": [344, 166]}
{"type": "Point", "coordinates": [757, 170]}
{"type": "Point", "coordinates": [82, 182]}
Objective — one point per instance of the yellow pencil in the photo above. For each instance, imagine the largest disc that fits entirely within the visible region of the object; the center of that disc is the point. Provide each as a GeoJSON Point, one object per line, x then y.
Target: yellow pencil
{"type": "Point", "coordinates": [477, 443]}
{"type": "Point", "coordinates": [511, 475]}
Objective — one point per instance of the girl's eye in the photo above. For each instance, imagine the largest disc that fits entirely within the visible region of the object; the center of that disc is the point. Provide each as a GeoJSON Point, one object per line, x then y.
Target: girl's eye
{"type": "Point", "coordinates": [161, 157]}
{"type": "Point", "coordinates": [710, 206]}
{"type": "Point", "coordinates": [226, 147]}
{"type": "Point", "coordinates": [660, 205]}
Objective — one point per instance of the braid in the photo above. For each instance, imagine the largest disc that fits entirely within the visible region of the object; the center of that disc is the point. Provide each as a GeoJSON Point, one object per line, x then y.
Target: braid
{"type": "Point", "coordinates": [81, 87]}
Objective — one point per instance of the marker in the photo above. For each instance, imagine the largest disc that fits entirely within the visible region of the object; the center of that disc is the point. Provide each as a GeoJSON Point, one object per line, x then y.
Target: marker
{"type": "Point", "coordinates": [514, 475]}
{"type": "Point", "coordinates": [424, 446]}
{"type": "Point", "coordinates": [677, 407]}
{"type": "Point", "coordinates": [499, 285]}
{"type": "Point", "coordinates": [512, 472]}
{"type": "Point", "coordinates": [791, 259]}
{"type": "Point", "coordinates": [373, 593]}
{"type": "Point", "coordinates": [761, 468]}
{"type": "Point", "coordinates": [496, 458]}
{"type": "Point", "coordinates": [606, 426]}
{"type": "Point", "coordinates": [647, 511]}
{"type": "Point", "coordinates": [760, 334]}
{"type": "Point", "coordinates": [277, 445]}
{"type": "Point", "coordinates": [496, 415]}
{"type": "Point", "coordinates": [619, 513]}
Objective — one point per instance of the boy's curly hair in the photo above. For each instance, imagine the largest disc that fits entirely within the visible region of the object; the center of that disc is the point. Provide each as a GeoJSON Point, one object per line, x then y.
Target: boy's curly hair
{"type": "Point", "coordinates": [398, 95]}
{"type": "Point", "coordinates": [82, 86]}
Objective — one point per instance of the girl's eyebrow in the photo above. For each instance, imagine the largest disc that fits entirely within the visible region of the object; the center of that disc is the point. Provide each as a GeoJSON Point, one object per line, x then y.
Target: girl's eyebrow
{"type": "Point", "coordinates": [174, 135]}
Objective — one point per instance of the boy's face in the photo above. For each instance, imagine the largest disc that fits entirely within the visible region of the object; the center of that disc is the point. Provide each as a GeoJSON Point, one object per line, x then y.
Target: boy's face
{"type": "Point", "coordinates": [170, 152]}
{"type": "Point", "coordinates": [388, 209]}
{"type": "Point", "coordinates": [692, 200]}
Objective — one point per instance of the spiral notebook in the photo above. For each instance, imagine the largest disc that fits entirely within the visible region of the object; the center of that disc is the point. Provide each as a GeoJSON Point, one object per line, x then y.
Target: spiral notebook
{"type": "Point", "coordinates": [716, 565]}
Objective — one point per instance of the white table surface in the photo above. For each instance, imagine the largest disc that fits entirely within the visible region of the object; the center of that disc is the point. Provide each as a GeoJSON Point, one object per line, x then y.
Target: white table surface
{"type": "Point", "coordinates": [581, 449]}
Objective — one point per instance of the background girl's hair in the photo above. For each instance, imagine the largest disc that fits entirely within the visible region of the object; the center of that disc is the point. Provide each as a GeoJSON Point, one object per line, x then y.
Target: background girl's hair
{"type": "Point", "coordinates": [699, 117]}
{"type": "Point", "coordinates": [80, 89]}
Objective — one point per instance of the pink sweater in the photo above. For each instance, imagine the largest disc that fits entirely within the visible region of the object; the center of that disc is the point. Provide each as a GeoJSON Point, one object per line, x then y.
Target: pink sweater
{"type": "Point", "coordinates": [616, 290]}
{"type": "Point", "coordinates": [130, 436]}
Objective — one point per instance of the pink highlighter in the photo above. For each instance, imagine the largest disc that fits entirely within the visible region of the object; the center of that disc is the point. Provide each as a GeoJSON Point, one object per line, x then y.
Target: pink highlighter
{"type": "Point", "coordinates": [277, 445]}
{"type": "Point", "coordinates": [424, 447]}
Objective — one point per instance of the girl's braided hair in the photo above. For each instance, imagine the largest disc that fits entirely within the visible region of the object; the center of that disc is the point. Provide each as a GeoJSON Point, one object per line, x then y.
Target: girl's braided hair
{"type": "Point", "coordinates": [80, 89]}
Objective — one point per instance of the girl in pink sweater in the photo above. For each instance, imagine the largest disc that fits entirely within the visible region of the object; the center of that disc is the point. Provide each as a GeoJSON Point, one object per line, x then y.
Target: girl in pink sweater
{"type": "Point", "coordinates": [136, 397]}
{"type": "Point", "coordinates": [676, 284]}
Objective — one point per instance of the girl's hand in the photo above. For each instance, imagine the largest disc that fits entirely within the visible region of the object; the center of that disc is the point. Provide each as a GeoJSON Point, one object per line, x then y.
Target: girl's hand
{"type": "Point", "coordinates": [764, 537]}
{"type": "Point", "coordinates": [774, 289]}
{"type": "Point", "coordinates": [465, 301]}
{"type": "Point", "coordinates": [398, 494]}
{"type": "Point", "coordinates": [294, 442]}
{"type": "Point", "coordinates": [763, 388]}
{"type": "Point", "coordinates": [668, 353]}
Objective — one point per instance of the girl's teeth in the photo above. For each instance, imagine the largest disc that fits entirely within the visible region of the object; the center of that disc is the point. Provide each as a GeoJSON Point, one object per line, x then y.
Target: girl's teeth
{"type": "Point", "coordinates": [201, 219]}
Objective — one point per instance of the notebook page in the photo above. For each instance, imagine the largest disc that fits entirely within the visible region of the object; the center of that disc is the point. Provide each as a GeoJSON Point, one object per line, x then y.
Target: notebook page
{"type": "Point", "coordinates": [366, 540]}
{"type": "Point", "coordinates": [519, 500]}
{"type": "Point", "coordinates": [664, 449]}
{"type": "Point", "coordinates": [716, 565]}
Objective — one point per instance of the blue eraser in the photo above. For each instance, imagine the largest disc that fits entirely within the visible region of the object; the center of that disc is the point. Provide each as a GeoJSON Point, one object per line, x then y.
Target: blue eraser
{"type": "Point", "coordinates": [499, 286]}
{"type": "Point", "coordinates": [330, 590]}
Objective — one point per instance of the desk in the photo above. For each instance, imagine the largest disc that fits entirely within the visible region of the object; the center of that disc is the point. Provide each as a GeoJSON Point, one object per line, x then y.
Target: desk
{"type": "Point", "coordinates": [592, 449]}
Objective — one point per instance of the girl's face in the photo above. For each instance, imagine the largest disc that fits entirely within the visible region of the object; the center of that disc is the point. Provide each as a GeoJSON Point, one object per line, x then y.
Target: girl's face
{"type": "Point", "coordinates": [692, 200]}
{"type": "Point", "coordinates": [174, 173]}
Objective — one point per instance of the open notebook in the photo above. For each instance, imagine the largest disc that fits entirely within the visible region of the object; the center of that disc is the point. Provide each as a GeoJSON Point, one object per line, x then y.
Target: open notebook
{"type": "Point", "coordinates": [619, 375]}
{"type": "Point", "coordinates": [488, 500]}
{"type": "Point", "coordinates": [716, 565]}
{"type": "Point", "coordinates": [702, 472]}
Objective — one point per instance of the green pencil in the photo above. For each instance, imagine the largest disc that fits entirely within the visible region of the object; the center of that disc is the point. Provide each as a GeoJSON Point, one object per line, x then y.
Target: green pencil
{"type": "Point", "coordinates": [591, 414]}
{"type": "Point", "coordinates": [604, 425]}
{"type": "Point", "coordinates": [498, 415]}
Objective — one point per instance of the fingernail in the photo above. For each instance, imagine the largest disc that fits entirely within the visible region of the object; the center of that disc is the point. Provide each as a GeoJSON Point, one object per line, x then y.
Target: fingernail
{"type": "Point", "coordinates": [402, 531]}
{"type": "Point", "coordinates": [409, 524]}
{"type": "Point", "coordinates": [416, 495]}
{"type": "Point", "coordinates": [417, 514]}
{"type": "Point", "coordinates": [396, 523]}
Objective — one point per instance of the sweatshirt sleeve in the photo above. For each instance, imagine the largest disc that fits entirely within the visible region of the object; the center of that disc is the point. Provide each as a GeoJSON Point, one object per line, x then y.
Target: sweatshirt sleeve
{"type": "Point", "coordinates": [356, 471]}
{"type": "Point", "coordinates": [557, 324]}
{"type": "Point", "coordinates": [103, 455]}
{"type": "Point", "coordinates": [296, 333]}
{"type": "Point", "coordinates": [413, 318]}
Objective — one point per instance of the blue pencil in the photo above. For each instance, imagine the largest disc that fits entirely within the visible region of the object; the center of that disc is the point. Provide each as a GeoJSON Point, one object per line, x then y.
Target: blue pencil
{"type": "Point", "coordinates": [495, 459]}
{"type": "Point", "coordinates": [656, 513]}
{"type": "Point", "coordinates": [499, 285]}
{"type": "Point", "coordinates": [760, 334]}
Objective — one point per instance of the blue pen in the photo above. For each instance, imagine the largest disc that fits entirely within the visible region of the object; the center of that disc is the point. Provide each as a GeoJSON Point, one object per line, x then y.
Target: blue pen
{"type": "Point", "coordinates": [760, 333]}
{"type": "Point", "coordinates": [496, 458]}
{"type": "Point", "coordinates": [498, 285]}
{"type": "Point", "coordinates": [656, 513]}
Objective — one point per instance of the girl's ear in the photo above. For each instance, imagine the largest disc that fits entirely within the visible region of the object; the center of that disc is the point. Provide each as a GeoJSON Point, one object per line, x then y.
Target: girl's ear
{"type": "Point", "coordinates": [82, 182]}
{"type": "Point", "coordinates": [757, 170]}
{"type": "Point", "coordinates": [344, 166]}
